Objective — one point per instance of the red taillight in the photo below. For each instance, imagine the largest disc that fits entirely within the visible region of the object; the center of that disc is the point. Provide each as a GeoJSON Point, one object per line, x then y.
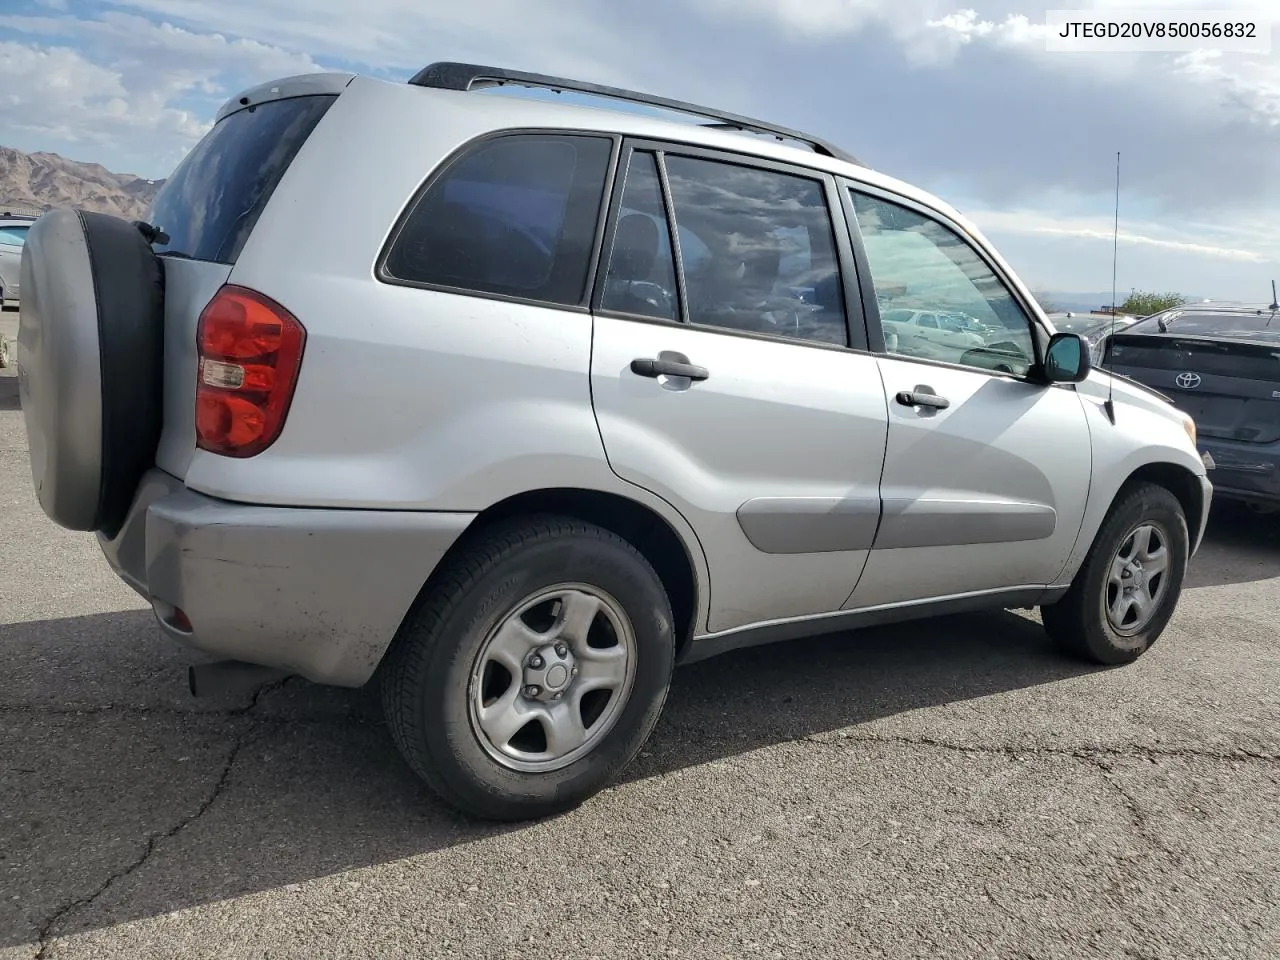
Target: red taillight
{"type": "Point", "coordinates": [250, 351]}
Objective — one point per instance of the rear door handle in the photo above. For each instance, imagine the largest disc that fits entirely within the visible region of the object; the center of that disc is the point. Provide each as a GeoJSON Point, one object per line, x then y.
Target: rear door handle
{"type": "Point", "coordinates": [922, 397]}
{"type": "Point", "coordinates": [648, 367]}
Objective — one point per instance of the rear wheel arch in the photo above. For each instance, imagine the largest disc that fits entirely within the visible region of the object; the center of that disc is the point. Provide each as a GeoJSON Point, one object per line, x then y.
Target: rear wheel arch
{"type": "Point", "coordinates": [644, 528]}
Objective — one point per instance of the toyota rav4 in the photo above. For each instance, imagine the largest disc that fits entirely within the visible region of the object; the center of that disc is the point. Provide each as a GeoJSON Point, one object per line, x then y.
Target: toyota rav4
{"type": "Point", "coordinates": [575, 394]}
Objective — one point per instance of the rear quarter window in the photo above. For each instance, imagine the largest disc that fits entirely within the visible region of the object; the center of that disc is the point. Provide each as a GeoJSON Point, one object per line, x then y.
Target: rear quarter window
{"type": "Point", "coordinates": [513, 216]}
{"type": "Point", "coordinates": [215, 196]}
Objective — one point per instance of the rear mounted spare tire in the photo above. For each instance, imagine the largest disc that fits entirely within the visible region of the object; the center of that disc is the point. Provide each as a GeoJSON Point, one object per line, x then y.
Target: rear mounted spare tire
{"type": "Point", "coordinates": [90, 364]}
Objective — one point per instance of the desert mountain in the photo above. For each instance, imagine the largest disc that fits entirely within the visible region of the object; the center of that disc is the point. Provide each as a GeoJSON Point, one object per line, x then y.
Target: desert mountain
{"type": "Point", "coordinates": [33, 182]}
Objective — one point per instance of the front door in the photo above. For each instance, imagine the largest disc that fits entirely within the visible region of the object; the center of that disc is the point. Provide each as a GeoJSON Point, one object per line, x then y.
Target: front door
{"type": "Point", "coordinates": [722, 380]}
{"type": "Point", "coordinates": [986, 472]}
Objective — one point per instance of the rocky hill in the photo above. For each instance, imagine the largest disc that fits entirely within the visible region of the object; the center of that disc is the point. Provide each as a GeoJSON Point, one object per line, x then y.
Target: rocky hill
{"type": "Point", "coordinates": [32, 182]}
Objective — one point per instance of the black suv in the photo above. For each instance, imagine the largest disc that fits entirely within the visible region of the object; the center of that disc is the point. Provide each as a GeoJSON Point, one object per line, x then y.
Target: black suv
{"type": "Point", "coordinates": [1220, 363]}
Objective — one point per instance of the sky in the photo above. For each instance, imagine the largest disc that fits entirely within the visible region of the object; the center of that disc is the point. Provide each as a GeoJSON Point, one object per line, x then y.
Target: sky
{"type": "Point", "coordinates": [959, 97]}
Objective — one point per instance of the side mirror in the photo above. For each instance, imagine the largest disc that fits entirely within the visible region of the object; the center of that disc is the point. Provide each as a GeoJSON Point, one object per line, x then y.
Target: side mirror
{"type": "Point", "coordinates": [1067, 359]}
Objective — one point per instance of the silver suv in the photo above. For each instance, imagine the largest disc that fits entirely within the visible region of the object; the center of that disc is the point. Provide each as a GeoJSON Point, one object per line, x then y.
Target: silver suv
{"type": "Point", "coordinates": [566, 397]}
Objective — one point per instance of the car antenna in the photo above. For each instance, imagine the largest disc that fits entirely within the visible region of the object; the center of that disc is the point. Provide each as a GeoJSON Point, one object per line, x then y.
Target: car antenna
{"type": "Point", "coordinates": [1275, 303]}
{"type": "Point", "coordinates": [1110, 407]}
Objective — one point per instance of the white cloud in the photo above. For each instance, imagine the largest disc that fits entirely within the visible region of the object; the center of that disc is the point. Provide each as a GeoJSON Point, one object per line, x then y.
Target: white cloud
{"type": "Point", "coordinates": [56, 92]}
{"type": "Point", "coordinates": [809, 16]}
{"type": "Point", "coordinates": [954, 92]}
{"type": "Point", "coordinates": [129, 89]}
{"type": "Point", "coordinates": [933, 32]}
{"type": "Point", "coordinates": [1037, 223]}
{"type": "Point", "coordinates": [1249, 84]}
{"type": "Point", "coordinates": [966, 27]}
{"type": "Point", "coordinates": [401, 35]}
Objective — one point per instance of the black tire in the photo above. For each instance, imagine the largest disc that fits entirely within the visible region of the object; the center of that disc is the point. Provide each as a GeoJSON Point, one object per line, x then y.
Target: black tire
{"type": "Point", "coordinates": [91, 353]}
{"type": "Point", "coordinates": [427, 674]}
{"type": "Point", "coordinates": [1079, 621]}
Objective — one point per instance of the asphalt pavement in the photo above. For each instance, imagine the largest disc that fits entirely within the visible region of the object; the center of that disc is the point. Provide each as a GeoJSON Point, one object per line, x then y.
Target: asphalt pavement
{"type": "Point", "coordinates": [952, 788]}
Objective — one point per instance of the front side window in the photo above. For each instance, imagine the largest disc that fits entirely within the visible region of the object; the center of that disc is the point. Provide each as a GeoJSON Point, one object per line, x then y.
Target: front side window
{"type": "Point", "coordinates": [918, 263]}
{"type": "Point", "coordinates": [757, 250]}
{"type": "Point", "coordinates": [515, 216]}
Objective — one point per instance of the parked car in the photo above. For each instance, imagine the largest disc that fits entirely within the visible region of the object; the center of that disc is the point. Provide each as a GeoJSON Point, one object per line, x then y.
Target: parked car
{"type": "Point", "coordinates": [1220, 363]}
{"type": "Point", "coordinates": [576, 394]}
{"type": "Point", "coordinates": [928, 332]}
{"type": "Point", "coordinates": [13, 234]}
{"type": "Point", "coordinates": [1093, 327]}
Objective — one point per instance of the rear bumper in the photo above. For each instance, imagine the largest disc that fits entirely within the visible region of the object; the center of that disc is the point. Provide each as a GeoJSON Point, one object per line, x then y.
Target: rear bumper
{"type": "Point", "coordinates": [1244, 471]}
{"type": "Point", "coordinates": [316, 592]}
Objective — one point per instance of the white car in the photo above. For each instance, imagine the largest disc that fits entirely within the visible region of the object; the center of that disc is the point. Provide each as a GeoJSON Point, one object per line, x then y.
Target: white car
{"type": "Point", "coordinates": [13, 236]}
{"type": "Point", "coordinates": [928, 330]}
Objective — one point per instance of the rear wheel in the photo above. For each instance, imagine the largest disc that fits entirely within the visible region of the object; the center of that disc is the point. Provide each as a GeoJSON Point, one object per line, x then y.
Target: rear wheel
{"type": "Point", "coordinates": [1128, 587]}
{"type": "Point", "coordinates": [533, 671]}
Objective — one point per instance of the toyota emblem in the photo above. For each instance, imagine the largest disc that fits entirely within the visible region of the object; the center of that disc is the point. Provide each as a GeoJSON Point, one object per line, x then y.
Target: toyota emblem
{"type": "Point", "coordinates": [1188, 381]}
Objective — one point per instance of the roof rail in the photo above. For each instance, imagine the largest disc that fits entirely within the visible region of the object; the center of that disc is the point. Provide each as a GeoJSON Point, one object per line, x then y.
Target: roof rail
{"type": "Point", "coordinates": [466, 76]}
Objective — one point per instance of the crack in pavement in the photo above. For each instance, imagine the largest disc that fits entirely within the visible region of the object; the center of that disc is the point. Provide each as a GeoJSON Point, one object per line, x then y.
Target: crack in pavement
{"type": "Point", "coordinates": [129, 710]}
{"type": "Point", "coordinates": [161, 710]}
{"type": "Point", "coordinates": [1141, 822]}
{"type": "Point", "coordinates": [1087, 754]}
{"type": "Point", "coordinates": [1096, 758]}
{"type": "Point", "coordinates": [242, 739]}
{"type": "Point", "coordinates": [1240, 754]}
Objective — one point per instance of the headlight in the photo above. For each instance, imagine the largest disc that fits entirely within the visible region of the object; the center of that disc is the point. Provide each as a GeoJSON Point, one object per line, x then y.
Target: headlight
{"type": "Point", "coordinates": [1189, 425]}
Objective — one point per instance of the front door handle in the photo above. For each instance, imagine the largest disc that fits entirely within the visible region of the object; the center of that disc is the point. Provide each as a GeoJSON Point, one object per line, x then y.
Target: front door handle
{"type": "Point", "coordinates": [922, 396]}
{"type": "Point", "coordinates": [648, 367]}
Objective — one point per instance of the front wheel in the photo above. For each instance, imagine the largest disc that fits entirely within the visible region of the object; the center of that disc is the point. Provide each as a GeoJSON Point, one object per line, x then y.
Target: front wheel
{"type": "Point", "coordinates": [533, 671]}
{"type": "Point", "coordinates": [1128, 587]}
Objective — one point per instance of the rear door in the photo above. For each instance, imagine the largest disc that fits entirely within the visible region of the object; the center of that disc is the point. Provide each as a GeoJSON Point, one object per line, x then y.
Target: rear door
{"type": "Point", "coordinates": [723, 379]}
{"type": "Point", "coordinates": [986, 471]}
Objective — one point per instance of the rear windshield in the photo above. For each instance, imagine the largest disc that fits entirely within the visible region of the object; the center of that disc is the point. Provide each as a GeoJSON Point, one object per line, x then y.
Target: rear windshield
{"type": "Point", "coordinates": [1263, 325]}
{"type": "Point", "coordinates": [1221, 357]}
{"type": "Point", "coordinates": [211, 203]}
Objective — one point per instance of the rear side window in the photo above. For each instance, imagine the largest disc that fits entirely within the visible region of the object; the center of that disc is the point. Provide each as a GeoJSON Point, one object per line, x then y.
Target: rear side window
{"type": "Point", "coordinates": [13, 236]}
{"type": "Point", "coordinates": [215, 196]}
{"type": "Point", "coordinates": [770, 262]}
{"type": "Point", "coordinates": [642, 271]}
{"type": "Point", "coordinates": [515, 216]}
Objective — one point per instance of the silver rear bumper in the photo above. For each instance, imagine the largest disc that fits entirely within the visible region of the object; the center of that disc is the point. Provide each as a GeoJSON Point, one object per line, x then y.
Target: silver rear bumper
{"type": "Point", "coordinates": [317, 592]}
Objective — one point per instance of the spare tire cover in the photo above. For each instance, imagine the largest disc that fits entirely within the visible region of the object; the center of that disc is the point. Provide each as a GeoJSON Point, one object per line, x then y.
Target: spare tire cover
{"type": "Point", "coordinates": [90, 364]}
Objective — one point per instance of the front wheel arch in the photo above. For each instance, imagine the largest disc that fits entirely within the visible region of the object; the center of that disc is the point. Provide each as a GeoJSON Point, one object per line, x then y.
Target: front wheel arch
{"type": "Point", "coordinates": [1179, 481]}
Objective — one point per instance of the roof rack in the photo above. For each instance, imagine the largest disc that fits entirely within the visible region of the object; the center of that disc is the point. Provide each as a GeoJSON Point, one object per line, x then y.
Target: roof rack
{"type": "Point", "coordinates": [466, 76]}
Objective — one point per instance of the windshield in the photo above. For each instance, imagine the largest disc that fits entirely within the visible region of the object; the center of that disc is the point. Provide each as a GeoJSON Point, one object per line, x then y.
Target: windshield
{"type": "Point", "coordinates": [1258, 324]}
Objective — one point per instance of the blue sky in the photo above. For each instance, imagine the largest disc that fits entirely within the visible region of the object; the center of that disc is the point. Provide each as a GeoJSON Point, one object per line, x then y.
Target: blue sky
{"type": "Point", "coordinates": [957, 96]}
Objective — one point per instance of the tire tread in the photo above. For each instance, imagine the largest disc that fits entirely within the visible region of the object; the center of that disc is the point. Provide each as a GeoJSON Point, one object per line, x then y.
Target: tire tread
{"type": "Point", "coordinates": [1070, 621]}
{"type": "Point", "coordinates": [406, 661]}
